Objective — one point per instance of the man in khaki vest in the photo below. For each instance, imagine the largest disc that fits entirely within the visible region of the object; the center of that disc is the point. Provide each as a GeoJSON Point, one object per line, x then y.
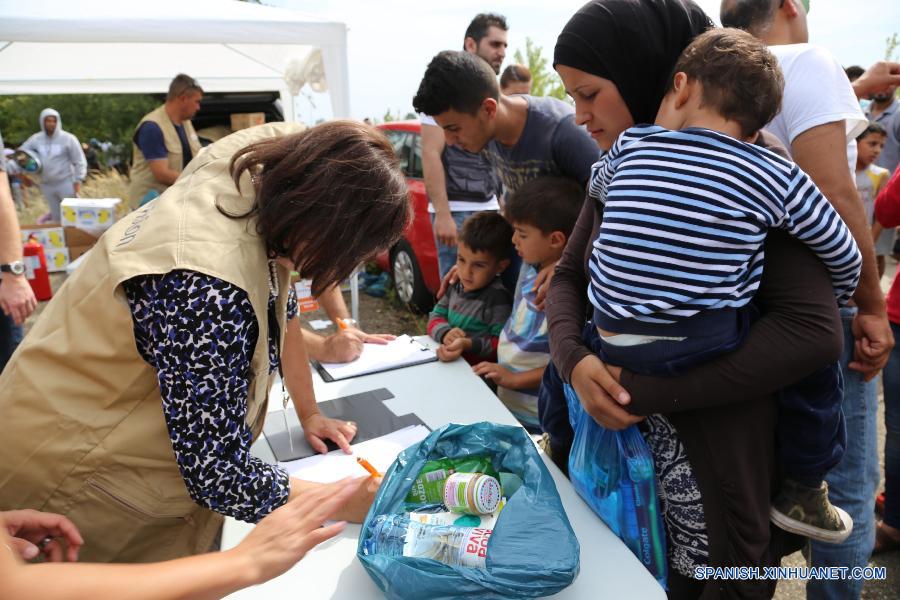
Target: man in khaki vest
{"type": "Point", "coordinates": [164, 141]}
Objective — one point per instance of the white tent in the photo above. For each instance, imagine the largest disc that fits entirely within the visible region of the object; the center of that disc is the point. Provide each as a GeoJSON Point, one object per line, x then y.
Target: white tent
{"type": "Point", "coordinates": [130, 46]}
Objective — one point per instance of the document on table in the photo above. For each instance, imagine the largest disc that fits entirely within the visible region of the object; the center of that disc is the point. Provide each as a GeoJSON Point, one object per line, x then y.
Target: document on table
{"type": "Point", "coordinates": [375, 358]}
{"type": "Point", "coordinates": [380, 452]}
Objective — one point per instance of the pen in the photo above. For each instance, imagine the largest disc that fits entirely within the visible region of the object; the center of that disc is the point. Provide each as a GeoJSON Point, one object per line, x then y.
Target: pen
{"type": "Point", "coordinates": [368, 467]}
{"type": "Point", "coordinates": [340, 323]}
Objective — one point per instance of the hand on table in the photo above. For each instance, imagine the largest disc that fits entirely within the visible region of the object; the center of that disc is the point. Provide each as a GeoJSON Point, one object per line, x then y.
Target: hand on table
{"type": "Point", "coordinates": [452, 335]}
{"type": "Point", "coordinates": [317, 428]}
{"type": "Point", "coordinates": [289, 532]}
{"type": "Point", "coordinates": [499, 375]}
{"type": "Point", "coordinates": [29, 528]}
{"type": "Point", "coordinates": [874, 341]}
{"type": "Point", "coordinates": [598, 389]}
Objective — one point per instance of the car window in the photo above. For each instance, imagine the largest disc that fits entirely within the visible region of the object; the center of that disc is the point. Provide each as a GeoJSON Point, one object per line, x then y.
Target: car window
{"type": "Point", "coordinates": [415, 169]}
{"type": "Point", "coordinates": [399, 140]}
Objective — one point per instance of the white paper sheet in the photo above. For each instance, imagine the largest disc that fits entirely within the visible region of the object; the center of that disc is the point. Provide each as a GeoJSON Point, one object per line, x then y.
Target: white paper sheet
{"type": "Point", "coordinates": [380, 452]}
{"type": "Point", "coordinates": [401, 352]}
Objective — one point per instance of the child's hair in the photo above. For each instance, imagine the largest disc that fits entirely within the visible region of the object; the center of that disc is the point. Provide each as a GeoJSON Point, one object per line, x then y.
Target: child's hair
{"type": "Point", "coordinates": [548, 203]}
{"type": "Point", "coordinates": [876, 128]}
{"type": "Point", "coordinates": [854, 72]}
{"type": "Point", "coordinates": [741, 78]}
{"type": "Point", "coordinates": [487, 231]}
{"type": "Point", "coordinates": [513, 74]}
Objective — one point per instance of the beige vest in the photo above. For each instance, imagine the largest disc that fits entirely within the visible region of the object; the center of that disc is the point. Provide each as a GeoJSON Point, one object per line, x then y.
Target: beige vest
{"type": "Point", "coordinates": [142, 179]}
{"type": "Point", "coordinates": [85, 435]}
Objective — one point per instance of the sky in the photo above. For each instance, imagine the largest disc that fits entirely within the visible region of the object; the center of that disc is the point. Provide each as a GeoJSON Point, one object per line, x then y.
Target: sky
{"type": "Point", "coordinates": [391, 41]}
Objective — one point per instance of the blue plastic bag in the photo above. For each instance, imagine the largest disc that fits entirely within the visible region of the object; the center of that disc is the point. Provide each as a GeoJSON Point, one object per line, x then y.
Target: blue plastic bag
{"type": "Point", "coordinates": [613, 471]}
{"type": "Point", "coordinates": [532, 552]}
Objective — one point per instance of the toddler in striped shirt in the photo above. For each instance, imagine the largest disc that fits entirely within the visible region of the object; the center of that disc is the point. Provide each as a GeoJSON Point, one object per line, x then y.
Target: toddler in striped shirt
{"type": "Point", "coordinates": [687, 204]}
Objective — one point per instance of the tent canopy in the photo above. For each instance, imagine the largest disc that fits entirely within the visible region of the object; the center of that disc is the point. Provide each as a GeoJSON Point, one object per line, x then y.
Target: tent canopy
{"type": "Point", "coordinates": [130, 46]}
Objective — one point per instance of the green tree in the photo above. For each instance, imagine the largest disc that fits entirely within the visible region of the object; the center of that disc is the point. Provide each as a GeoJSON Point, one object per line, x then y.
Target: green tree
{"type": "Point", "coordinates": [891, 44]}
{"type": "Point", "coordinates": [544, 80]}
{"type": "Point", "coordinates": [107, 117]}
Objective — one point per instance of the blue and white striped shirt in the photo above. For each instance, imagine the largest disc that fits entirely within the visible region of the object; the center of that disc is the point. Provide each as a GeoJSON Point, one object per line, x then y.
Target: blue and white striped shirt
{"type": "Point", "coordinates": [684, 219]}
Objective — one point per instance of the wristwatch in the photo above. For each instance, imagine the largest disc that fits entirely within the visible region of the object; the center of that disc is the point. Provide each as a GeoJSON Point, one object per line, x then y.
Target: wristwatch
{"type": "Point", "coordinates": [16, 267]}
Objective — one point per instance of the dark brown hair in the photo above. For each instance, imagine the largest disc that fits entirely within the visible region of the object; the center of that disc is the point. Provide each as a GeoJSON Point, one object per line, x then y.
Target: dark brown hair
{"type": "Point", "coordinates": [487, 231]}
{"type": "Point", "coordinates": [548, 203]}
{"type": "Point", "coordinates": [515, 73]}
{"type": "Point", "coordinates": [741, 79]}
{"type": "Point", "coordinates": [328, 198]}
{"type": "Point", "coordinates": [181, 85]}
{"type": "Point", "coordinates": [479, 26]}
{"type": "Point", "coordinates": [872, 127]}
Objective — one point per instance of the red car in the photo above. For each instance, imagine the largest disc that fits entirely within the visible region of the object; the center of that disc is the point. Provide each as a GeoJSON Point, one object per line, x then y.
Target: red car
{"type": "Point", "coordinates": [412, 262]}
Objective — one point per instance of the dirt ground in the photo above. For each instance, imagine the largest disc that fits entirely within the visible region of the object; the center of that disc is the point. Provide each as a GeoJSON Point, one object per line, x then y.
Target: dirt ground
{"type": "Point", "coordinates": [386, 315]}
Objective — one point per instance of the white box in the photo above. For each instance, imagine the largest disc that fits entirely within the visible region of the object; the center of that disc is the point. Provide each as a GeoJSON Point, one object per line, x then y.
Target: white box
{"type": "Point", "coordinates": [48, 237]}
{"type": "Point", "coordinates": [91, 214]}
{"type": "Point", "coordinates": [57, 259]}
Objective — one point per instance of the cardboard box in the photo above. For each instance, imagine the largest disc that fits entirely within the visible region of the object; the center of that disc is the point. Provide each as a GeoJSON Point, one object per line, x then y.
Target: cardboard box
{"type": "Point", "coordinates": [93, 214]}
{"type": "Point", "coordinates": [76, 251]}
{"type": "Point", "coordinates": [57, 259]}
{"type": "Point", "coordinates": [77, 237]}
{"type": "Point", "coordinates": [48, 236]}
{"type": "Point", "coordinates": [245, 120]}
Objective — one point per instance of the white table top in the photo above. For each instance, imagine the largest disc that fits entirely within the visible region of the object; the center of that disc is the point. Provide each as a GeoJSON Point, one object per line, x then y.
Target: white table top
{"type": "Point", "coordinates": [440, 393]}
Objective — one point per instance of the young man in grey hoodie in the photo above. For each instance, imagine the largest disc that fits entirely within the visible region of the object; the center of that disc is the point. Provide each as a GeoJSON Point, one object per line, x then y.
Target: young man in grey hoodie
{"type": "Point", "coordinates": [63, 166]}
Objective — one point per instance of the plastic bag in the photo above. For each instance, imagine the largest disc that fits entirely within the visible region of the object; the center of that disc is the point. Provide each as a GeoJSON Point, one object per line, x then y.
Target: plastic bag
{"type": "Point", "coordinates": [532, 552]}
{"type": "Point", "coordinates": [613, 471]}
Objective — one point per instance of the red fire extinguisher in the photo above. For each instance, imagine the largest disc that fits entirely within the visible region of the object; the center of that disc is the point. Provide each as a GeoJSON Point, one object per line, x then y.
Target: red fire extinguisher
{"type": "Point", "coordinates": [36, 269]}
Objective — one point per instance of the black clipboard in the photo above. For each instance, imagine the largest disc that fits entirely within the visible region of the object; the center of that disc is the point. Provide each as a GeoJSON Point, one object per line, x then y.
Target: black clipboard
{"type": "Point", "coordinates": [367, 409]}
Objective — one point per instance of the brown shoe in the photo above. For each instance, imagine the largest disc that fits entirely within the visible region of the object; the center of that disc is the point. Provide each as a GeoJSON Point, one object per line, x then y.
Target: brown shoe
{"type": "Point", "coordinates": [807, 511]}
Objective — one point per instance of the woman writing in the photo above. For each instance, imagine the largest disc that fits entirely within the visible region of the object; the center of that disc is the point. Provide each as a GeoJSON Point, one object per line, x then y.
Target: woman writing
{"type": "Point", "coordinates": [139, 392]}
{"type": "Point", "coordinates": [711, 431]}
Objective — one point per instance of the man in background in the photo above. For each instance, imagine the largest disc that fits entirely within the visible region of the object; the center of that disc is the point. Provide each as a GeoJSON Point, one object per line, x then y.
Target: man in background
{"type": "Point", "coordinates": [457, 182]}
{"type": "Point", "coordinates": [165, 141]}
{"type": "Point", "coordinates": [63, 166]}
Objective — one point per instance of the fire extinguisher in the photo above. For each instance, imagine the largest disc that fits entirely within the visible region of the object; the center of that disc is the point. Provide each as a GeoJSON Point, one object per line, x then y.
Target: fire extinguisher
{"type": "Point", "coordinates": [36, 269]}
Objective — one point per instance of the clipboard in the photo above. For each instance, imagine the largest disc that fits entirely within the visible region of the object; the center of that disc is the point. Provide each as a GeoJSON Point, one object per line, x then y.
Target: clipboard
{"type": "Point", "coordinates": [377, 358]}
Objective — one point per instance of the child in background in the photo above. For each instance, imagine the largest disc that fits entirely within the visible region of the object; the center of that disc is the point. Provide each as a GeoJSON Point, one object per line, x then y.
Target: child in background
{"type": "Point", "coordinates": [468, 319]}
{"type": "Point", "coordinates": [542, 214]}
{"type": "Point", "coordinates": [870, 179]}
{"type": "Point", "coordinates": [687, 204]}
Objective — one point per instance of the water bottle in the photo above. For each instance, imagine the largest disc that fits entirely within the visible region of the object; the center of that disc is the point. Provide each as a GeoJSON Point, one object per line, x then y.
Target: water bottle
{"type": "Point", "coordinates": [396, 535]}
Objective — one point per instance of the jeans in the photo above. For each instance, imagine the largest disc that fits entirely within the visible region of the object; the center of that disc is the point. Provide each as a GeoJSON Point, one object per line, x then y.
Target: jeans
{"type": "Point", "coordinates": [892, 439]}
{"type": "Point", "coordinates": [447, 254]}
{"type": "Point", "coordinates": [10, 336]}
{"type": "Point", "coordinates": [54, 193]}
{"type": "Point", "coordinates": [853, 482]}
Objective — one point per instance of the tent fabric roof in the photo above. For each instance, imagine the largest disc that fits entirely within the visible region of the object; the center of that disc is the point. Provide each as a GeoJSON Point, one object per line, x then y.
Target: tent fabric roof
{"type": "Point", "coordinates": [129, 46]}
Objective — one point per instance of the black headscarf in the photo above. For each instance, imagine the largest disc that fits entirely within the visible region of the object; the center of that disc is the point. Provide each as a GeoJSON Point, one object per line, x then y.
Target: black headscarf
{"type": "Point", "coordinates": [633, 43]}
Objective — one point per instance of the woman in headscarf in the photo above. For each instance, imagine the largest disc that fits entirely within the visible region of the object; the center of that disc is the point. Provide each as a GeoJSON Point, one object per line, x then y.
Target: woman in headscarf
{"type": "Point", "coordinates": [712, 430]}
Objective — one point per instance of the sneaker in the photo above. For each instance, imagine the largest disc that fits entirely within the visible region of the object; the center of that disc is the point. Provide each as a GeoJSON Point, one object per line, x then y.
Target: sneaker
{"type": "Point", "coordinates": [806, 511]}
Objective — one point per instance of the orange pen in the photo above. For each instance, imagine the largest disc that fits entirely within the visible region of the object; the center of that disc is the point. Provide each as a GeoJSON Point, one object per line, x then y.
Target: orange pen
{"type": "Point", "coordinates": [341, 325]}
{"type": "Point", "coordinates": [368, 467]}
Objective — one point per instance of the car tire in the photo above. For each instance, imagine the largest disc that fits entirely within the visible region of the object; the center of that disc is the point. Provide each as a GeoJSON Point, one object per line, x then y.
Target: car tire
{"type": "Point", "coordinates": [408, 280]}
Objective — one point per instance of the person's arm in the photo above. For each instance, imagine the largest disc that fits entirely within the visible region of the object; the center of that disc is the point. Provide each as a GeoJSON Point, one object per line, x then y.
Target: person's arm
{"type": "Point", "coordinates": [887, 203]}
{"type": "Point", "coordinates": [566, 304]}
{"type": "Point", "coordinates": [821, 152]}
{"type": "Point", "coordinates": [346, 344]}
{"type": "Point", "coordinates": [438, 325]}
{"type": "Point", "coordinates": [513, 380]}
{"type": "Point", "coordinates": [497, 310]}
{"type": "Point", "coordinates": [298, 381]}
{"type": "Point", "coordinates": [270, 549]}
{"type": "Point", "coordinates": [436, 183]}
{"type": "Point", "coordinates": [878, 78]}
{"type": "Point", "coordinates": [203, 381]}
{"type": "Point", "coordinates": [79, 161]}
{"type": "Point", "coordinates": [150, 140]}
{"type": "Point", "coordinates": [16, 296]}
{"type": "Point", "coordinates": [799, 332]}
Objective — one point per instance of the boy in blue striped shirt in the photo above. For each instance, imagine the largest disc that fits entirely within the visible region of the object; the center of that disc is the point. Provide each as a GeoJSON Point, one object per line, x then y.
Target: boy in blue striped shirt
{"type": "Point", "coordinates": [687, 204]}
